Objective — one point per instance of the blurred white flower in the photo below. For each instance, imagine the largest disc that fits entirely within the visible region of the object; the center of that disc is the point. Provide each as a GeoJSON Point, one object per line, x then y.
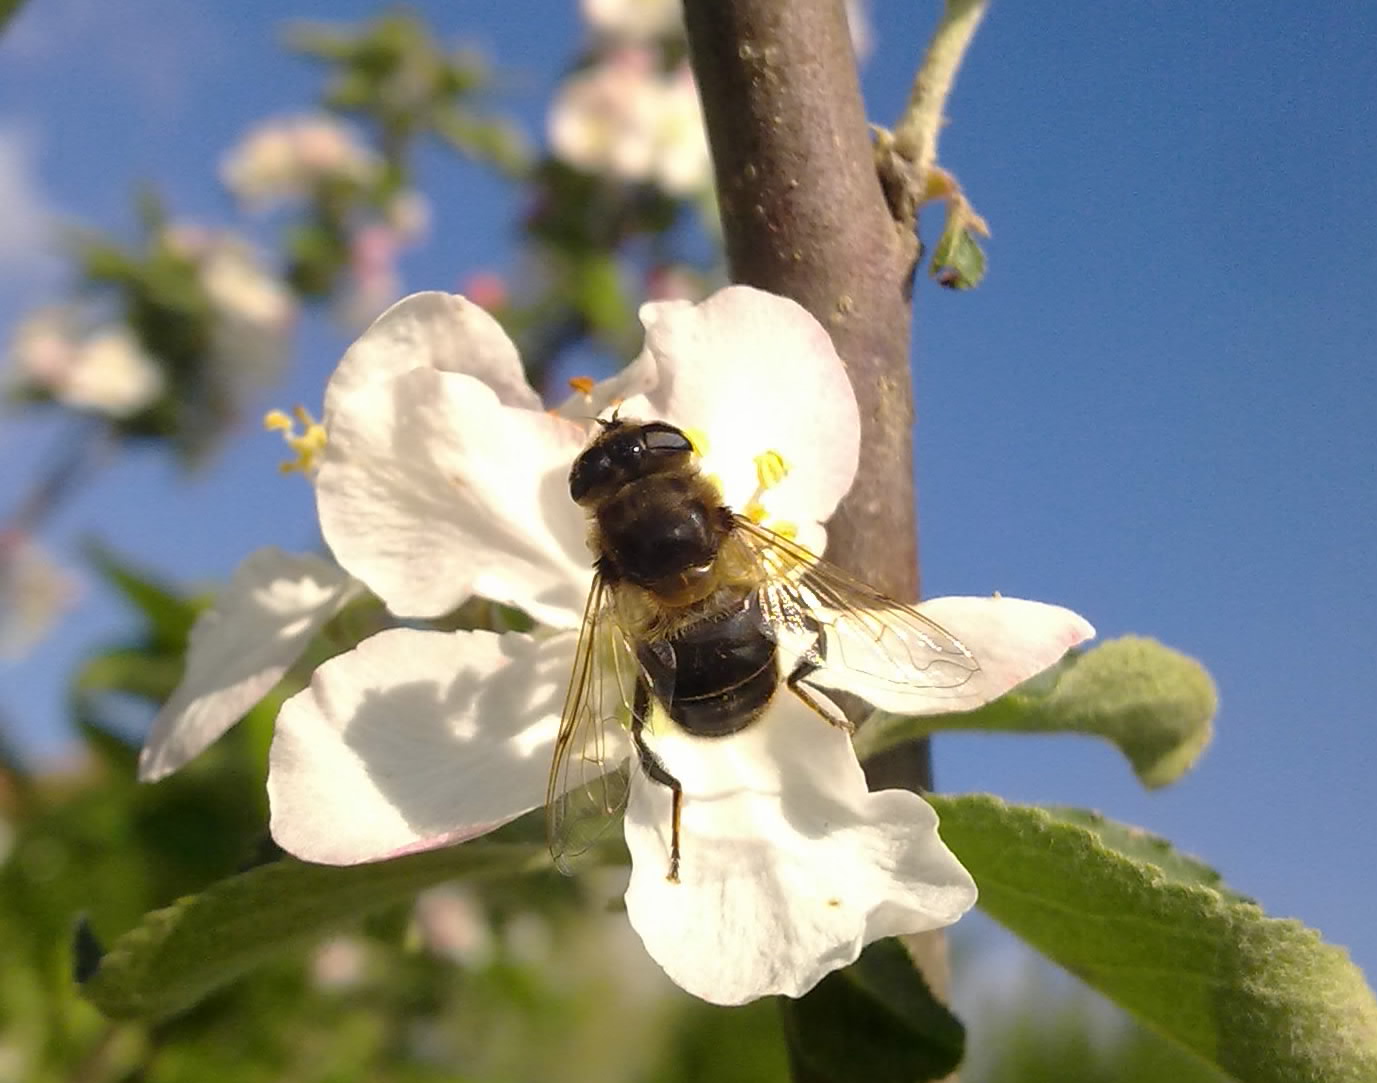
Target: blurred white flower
{"type": "Point", "coordinates": [339, 964]}
{"type": "Point", "coordinates": [683, 163]}
{"type": "Point", "coordinates": [634, 20]}
{"type": "Point", "coordinates": [287, 158]}
{"type": "Point", "coordinates": [604, 118]}
{"type": "Point", "coordinates": [102, 372]}
{"type": "Point", "coordinates": [34, 592]}
{"type": "Point", "coordinates": [254, 311]}
{"type": "Point", "coordinates": [408, 214]}
{"type": "Point", "coordinates": [625, 118]}
{"type": "Point", "coordinates": [862, 33]}
{"type": "Point", "coordinates": [374, 281]}
{"type": "Point", "coordinates": [453, 924]}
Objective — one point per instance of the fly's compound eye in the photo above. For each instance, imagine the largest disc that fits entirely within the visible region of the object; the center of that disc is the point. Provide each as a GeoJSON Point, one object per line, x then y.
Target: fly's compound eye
{"type": "Point", "coordinates": [663, 439]}
{"type": "Point", "coordinates": [592, 470]}
{"type": "Point", "coordinates": [624, 453]}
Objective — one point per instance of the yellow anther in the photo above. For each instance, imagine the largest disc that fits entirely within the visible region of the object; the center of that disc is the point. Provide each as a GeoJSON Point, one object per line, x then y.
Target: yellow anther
{"type": "Point", "coordinates": [785, 528]}
{"type": "Point", "coordinates": [582, 384]}
{"type": "Point", "coordinates": [770, 469]}
{"type": "Point", "coordinates": [699, 439]}
{"type": "Point", "coordinates": [306, 445]}
{"type": "Point", "coordinates": [755, 512]}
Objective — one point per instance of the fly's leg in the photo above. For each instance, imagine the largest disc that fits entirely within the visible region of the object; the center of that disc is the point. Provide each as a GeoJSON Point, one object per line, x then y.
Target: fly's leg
{"type": "Point", "coordinates": [653, 767]}
{"type": "Point", "coordinates": [804, 668]}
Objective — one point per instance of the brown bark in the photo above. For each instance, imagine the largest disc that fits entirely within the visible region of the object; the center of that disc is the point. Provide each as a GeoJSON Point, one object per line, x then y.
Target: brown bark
{"type": "Point", "coordinates": [804, 215]}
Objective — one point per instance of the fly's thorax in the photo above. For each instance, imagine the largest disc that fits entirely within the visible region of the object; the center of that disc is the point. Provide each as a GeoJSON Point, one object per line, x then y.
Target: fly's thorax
{"type": "Point", "coordinates": [662, 533]}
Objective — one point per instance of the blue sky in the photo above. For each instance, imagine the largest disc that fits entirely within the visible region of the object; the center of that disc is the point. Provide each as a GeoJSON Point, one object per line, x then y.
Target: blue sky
{"type": "Point", "coordinates": [1157, 410]}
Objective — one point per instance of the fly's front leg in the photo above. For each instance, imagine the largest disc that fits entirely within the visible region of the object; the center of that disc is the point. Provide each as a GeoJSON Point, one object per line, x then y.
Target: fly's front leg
{"type": "Point", "coordinates": [656, 770]}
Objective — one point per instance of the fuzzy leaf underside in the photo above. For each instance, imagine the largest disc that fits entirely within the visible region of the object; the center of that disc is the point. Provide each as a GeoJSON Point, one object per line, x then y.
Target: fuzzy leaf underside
{"type": "Point", "coordinates": [1266, 1000]}
{"type": "Point", "coordinates": [1155, 704]}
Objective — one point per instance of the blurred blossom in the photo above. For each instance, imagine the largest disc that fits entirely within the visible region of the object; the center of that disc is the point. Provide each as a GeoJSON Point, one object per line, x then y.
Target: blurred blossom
{"type": "Point", "coordinates": [254, 311]}
{"type": "Point", "coordinates": [862, 33]}
{"type": "Point", "coordinates": [288, 158]}
{"type": "Point", "coordinates": [634, 20]}
{"type": "Point", "coordinates": [454, 926]}
{"type": "Point", "coordinates": [339, 964]}
{"type": "Point", "coordinates": [674, 282]}
{"type": "Point", "coordinates": [604, 118]}
{"type": "Point", "coordinates": [408, 214]}
{"type": "Point", "coordinates": [684, 162]}
{"type": "Point", "coordinates": [103, 372]}
{"type": "Point", "coordinates": [34, 592]}
{"type": "Point", "coordinates": [487, 289]}
{"type": "Point", "coordinates": [374, 281]}
{"type": "Point", "coordinates": [625, 118]}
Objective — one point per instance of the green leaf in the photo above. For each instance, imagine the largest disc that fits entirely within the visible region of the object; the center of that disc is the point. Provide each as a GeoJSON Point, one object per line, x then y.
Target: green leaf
{"type": "Point", "coordinates": [875, 1020]}
{"type": "Point", "coordinates": [8, 10]}
{"type": "Point", "coordinates": [1265, 1000]}
{"type": "Point", "coordinates": [1156, 704]}
{"type": "Point", "coordinates": [178, 955]}
{"type": "Point", "coordinates": [958, 261]}
{"type": "Point", "coordinates": [169, 615]}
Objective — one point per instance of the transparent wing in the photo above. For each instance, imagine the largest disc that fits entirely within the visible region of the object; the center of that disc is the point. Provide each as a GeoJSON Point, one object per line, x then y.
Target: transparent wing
{"type": "Point", "coordinates": [589, 777]}
{"type": "Point", "coordinates": [852, 637]}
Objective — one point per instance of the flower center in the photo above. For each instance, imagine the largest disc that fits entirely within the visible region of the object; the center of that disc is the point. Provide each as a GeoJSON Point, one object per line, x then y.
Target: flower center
{"type": "Point", "coordinates": [306, 445]}
{"type": "Point", "coordinates": [771, 468]}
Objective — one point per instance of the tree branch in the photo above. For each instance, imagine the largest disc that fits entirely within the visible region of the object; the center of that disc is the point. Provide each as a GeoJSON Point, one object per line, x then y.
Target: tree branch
{"type": "Point", "coordinates": [804, 215]}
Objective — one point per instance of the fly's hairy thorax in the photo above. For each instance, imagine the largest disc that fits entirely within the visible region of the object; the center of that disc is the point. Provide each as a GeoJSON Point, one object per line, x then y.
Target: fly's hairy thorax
{"type": "Point", "coordinates": [662, 546]}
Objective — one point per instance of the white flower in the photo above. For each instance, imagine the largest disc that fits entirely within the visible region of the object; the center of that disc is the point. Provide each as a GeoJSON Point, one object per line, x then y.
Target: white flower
{"type": "Point", "coordinates": [240, 647]}
{"type": "Point", "coordinates": [34, 593]}
{"type": "Point", "coordinates": [374, 282]}
{"type": "Point", "coordinates": [102, 372]}
{"type": "Point", "coordinates": [443, 478]}
{"type": "Point", "coordinates": [624, 118]}
{"type": "Point", "coordinates": [634, 20]}
{"type": "Point", "coordinates": [683, 164]}
{"type": "Point", "coordinates": [253, 311]}
{"type": "Point", "coordinates": [288, 158]}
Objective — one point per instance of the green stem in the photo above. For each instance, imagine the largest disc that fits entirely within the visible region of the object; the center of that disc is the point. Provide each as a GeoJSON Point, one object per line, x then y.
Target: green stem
{"type": "Point", "coordinates": [915, 136]}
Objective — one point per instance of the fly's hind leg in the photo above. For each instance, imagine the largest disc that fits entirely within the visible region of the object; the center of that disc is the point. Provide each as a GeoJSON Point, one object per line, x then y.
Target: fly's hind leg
{"type": "Point", "coordinates": [656, 770]}
{"type": "Point", "coordinates": [804, 668]}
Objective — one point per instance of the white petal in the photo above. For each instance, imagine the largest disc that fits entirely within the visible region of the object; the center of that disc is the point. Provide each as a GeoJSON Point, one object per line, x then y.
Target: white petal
{"type": "Point", "coordinates": [433, 330]}
{"type": "Point", "coordinates": [431, 490]}
{"type": "Point", "coordinates": [258, 627]}
{"type": "Point", "coordinates": [1012, 639]}
{"type": "Point", "coordinates": [414, 740]}
{"type": "Point", "coordinates": [790, 867]}
{"type": "Point", "coordinates": [757, 373]}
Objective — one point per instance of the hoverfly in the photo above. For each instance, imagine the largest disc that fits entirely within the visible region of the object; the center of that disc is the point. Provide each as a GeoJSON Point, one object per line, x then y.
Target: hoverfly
{"type": "Point", "coordinates": [694, 609]}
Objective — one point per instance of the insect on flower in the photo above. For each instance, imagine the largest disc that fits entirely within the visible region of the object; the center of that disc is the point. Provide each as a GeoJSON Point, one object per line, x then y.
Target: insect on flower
{"type": "Point", "coordinates": [696, 617]}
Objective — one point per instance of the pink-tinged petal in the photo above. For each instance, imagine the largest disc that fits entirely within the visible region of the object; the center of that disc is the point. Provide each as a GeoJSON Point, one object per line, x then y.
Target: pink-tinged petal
{"type": "Point", "coordinates": [263, 620]}
{"type": "Point", "coordinates": [433, 330]}
{"type": "Point", "coordinates": [431, 490]}
{"type": "Point", "coordinates": [1011, 639]}
{"type": "Point", "coordinates": [789, 866]}
{"type": "Point", "coordinates": [416, 739]}
{"type": "Point", "coordinates": [756, 373]}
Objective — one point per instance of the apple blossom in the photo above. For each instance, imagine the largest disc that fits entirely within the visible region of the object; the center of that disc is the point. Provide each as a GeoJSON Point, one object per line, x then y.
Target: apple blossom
{"type": "Point", "coordinates": [34, 592]}
{"type": "Point", "coordinates": [442, 478]}
{"type": "Point", "coordinates": [258, 627]}
{"type": "Point", "coordinates": [289, 157]}
{"type": "Point", "coordinates": [623, 117]}
{"type": "Point", "coordinates": [102, 371]}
